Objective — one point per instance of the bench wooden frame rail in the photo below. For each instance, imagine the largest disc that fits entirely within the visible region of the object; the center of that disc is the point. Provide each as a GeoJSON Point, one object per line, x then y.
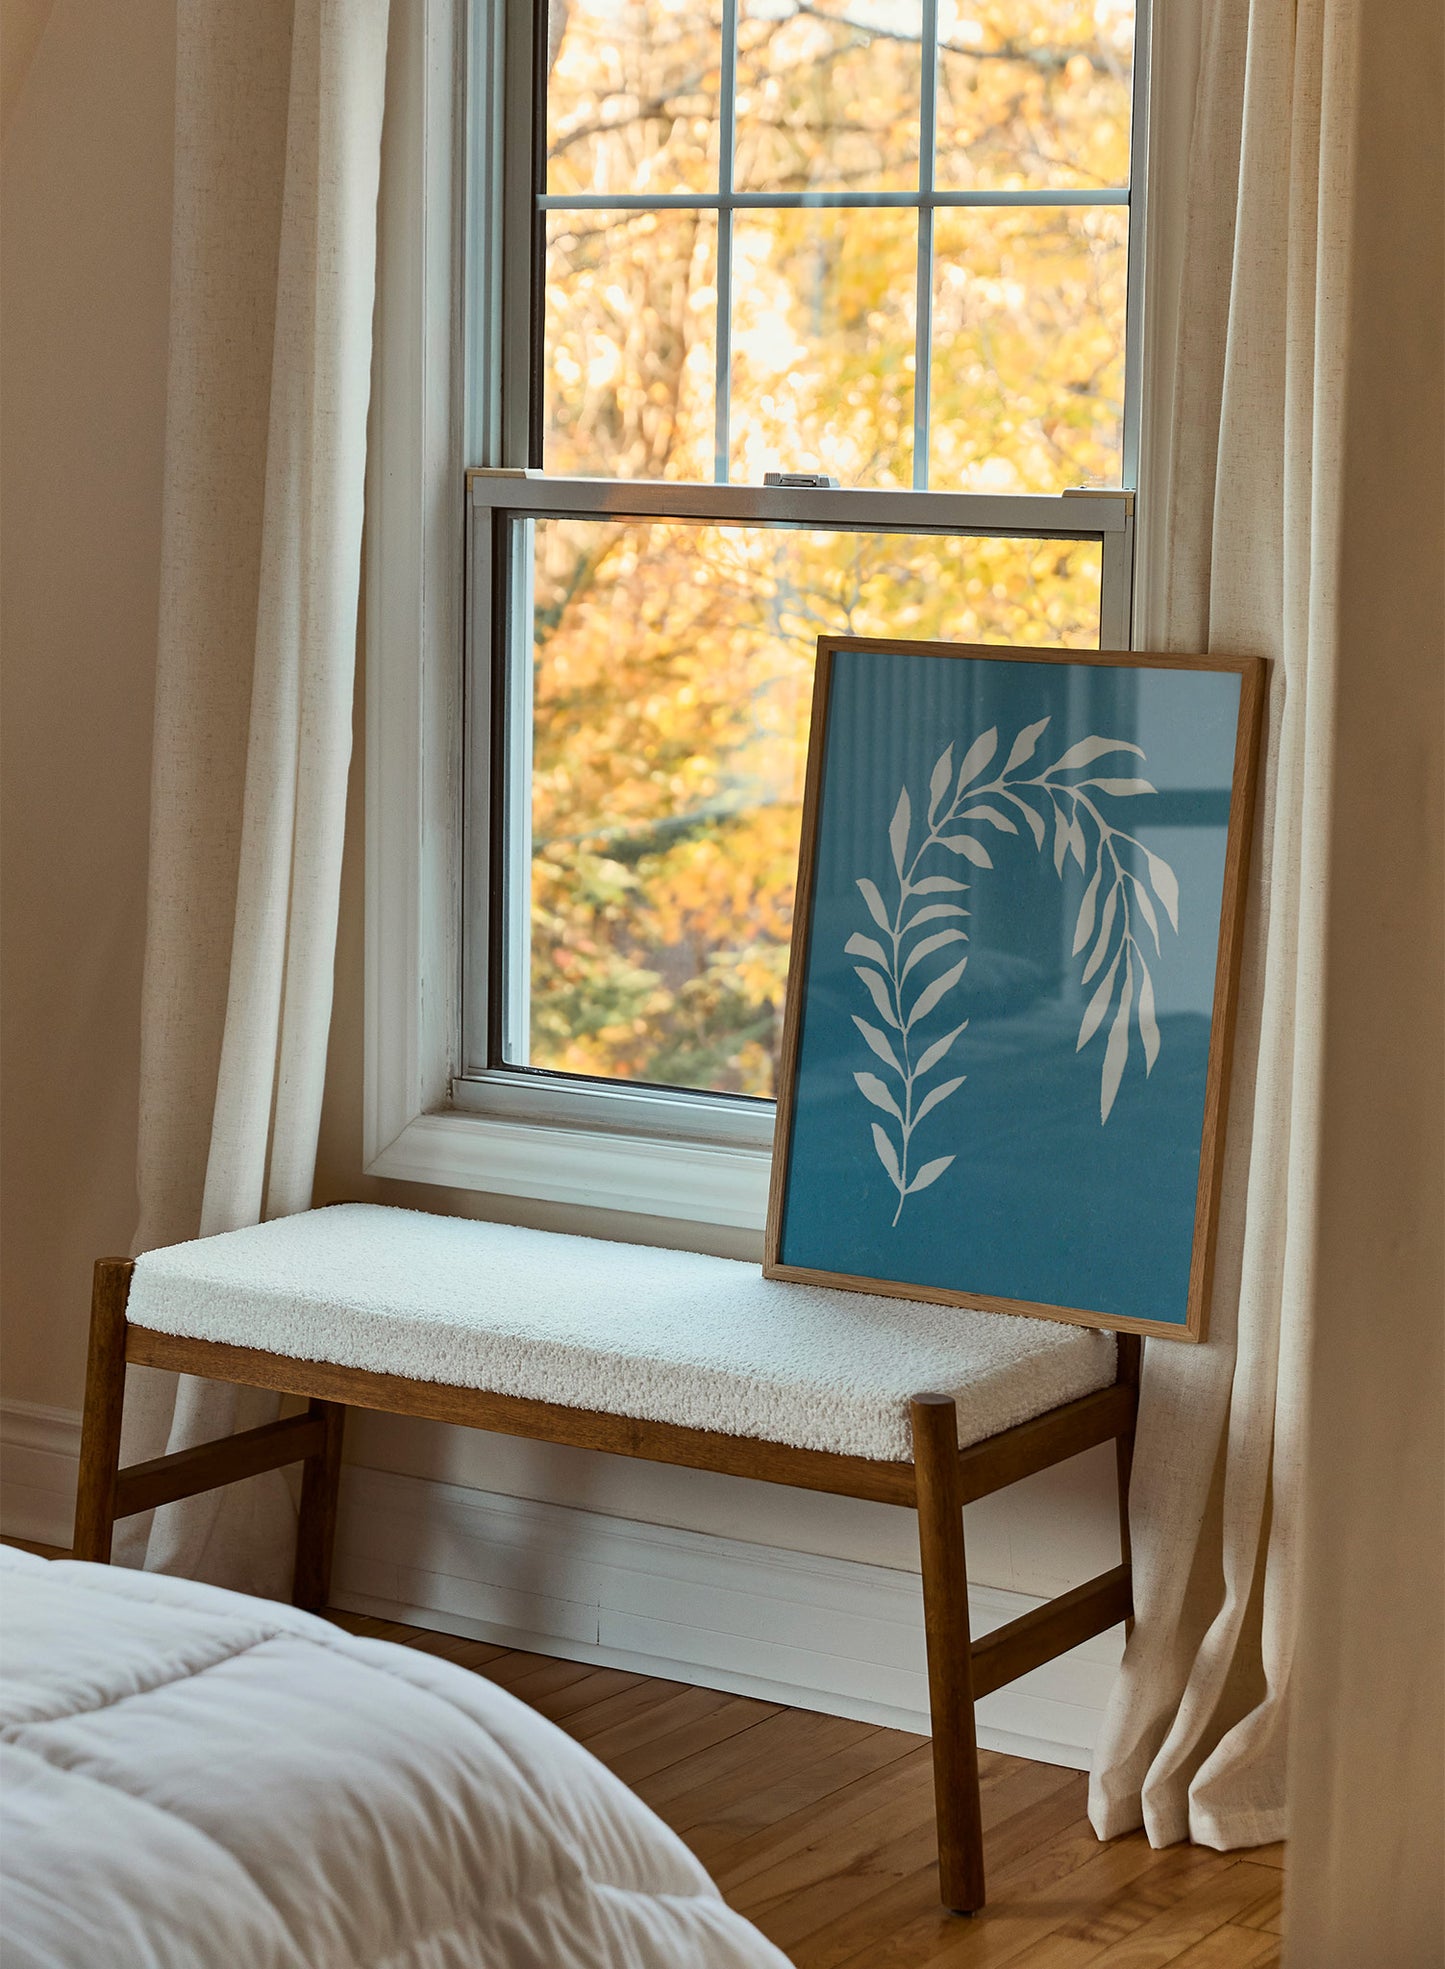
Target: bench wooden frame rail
{"type": "Point", "coordinates": [940, 1480]}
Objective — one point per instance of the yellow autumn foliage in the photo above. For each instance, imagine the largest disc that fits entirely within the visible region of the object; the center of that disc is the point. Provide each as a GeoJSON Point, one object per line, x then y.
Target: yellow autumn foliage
{"type": "Point", "coordinates": [673, 661]}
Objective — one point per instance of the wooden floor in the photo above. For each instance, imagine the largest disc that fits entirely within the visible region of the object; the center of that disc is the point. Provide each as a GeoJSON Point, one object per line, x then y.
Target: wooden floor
{"type": "Point", "coordinates": [821, 1831]}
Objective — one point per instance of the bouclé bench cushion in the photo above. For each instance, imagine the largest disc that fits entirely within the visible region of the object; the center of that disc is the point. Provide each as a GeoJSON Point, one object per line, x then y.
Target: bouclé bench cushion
{"type": "Point", "coordinates": [668, 1336]}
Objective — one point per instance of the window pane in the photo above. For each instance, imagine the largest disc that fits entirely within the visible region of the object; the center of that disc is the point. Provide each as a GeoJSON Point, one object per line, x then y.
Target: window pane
{"type": "Point", "coordinates": [670, 694]}
{"type": "Point", "coordinates": [631, 328]}
{"type": "Point", "coordinates": [1028, 348]}
{"type": "Point", "coordinates": [1034, 93]}
{"type": "Point", "coordinates": [828, 95]}
{"type": "Point", "coordinates": [632, 95]}
{"type": "Point", "coordinates": [822, 377]}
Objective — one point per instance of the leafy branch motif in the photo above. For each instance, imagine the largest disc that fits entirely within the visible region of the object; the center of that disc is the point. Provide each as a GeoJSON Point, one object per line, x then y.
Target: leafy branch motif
{"type": "Point", "coordinates": [928, 918]}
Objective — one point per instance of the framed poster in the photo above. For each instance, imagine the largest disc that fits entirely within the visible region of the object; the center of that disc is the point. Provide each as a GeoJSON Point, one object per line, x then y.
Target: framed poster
{"type": "Point", "coordinates": [1015, 951]}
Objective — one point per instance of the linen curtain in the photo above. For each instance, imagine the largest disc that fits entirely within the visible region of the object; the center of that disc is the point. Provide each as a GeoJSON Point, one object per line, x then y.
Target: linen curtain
{"type": "Point", "coordinates": [1366, 1877]}
{"type": "Point", "coordinates": [1194, 1738]}
{"type": "Point", "coordinates": [278, 144]}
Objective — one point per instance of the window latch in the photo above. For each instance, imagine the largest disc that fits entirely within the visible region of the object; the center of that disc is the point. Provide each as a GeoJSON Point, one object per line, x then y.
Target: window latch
{"type": "Point", "coordinates": [803, 481]}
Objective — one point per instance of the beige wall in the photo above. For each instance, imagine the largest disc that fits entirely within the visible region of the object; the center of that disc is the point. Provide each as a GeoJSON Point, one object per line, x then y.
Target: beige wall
{"type": "Point", "coordinates": [84, 271]}
{"type": "Point", "coordinates": [22, 23]}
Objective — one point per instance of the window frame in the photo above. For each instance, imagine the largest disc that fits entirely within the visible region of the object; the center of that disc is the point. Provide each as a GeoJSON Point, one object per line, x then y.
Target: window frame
{"type": "Point", "coordinates": [462, 92]}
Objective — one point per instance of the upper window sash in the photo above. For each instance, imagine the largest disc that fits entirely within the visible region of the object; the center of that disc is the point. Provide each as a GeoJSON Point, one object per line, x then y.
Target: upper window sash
{"type": "Point", "coordinates": [509, 203]}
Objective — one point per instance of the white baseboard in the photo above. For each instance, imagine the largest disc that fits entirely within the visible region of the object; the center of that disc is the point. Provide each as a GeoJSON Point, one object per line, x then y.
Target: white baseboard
{"type": "Point", "coordinates": [39, 1456]}
{"type": "Point", "coordinates": [817, 1633]}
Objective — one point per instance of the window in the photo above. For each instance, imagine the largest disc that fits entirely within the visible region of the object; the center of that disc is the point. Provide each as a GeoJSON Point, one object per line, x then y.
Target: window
{"type": "Point", "coordinates": [887, 250]}
{"type": "Point", "coordinates": [882, 243]}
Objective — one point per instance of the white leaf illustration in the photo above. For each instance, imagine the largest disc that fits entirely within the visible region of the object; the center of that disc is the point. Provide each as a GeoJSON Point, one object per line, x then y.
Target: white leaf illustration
{"type": "Point", "coordinates": [887, 1155]}
{"type": "Point", "coordinates": [879, 1043]}
{"type": "Point", "coordinates": [971, 850]}
{"type": "Point", "coordinates": [1121, 787]}
{"type": "Point", "coordinates": [878, 991]}
{"type": "Point", "coordinates": [940, 1093]}
{"type": "Point", "coordinates": [898, 829]}
{"type": "Point", "coordinates": [977, 757]}
{"type": "Point", "coordinates": [1094, 748]}
{"type": "Point", "coordinates": [1085, 923]}
{"type": "Point", "coordinates": [1117, 1051]}
{"type": "Point", "coordinates": [933, 912]}
{"type": "Point", "coordinates": [1023, 745]}
{"type": "Point", "coordinates": [875, 903]}
{"type": "Point", "coordinates": [1108, 921]}
{"type": "Point", "coordinates": [1166, 887]}
{"type": "Point", "coordinates": [1035, 821]}
{"type": "Point", "coordinates": [872, 1089]}
{"type": "Point", "coordinates": [930, 994]}
{"type": "Point", "coordinates": [936, 1051]}
{"type": "Point", "coordinates": [860, 946]}
{"type": "Point", "coordinates": [1148, 1024]}
{"type": "Point", "coordinates": [1111, 904]}
{"type": "Point", "coordinates": [1097, 1006]}
{"type": "Point", "coordinates": [929, 1173]}
{"type": "Point", "coordinates": [938, 785]}
{"type": "Point", "coordinates": [929, 945]}
{"type": "Point", "coordinates": [1146, 910]}
{"type": "Point", "coordinates": [1000, 820]}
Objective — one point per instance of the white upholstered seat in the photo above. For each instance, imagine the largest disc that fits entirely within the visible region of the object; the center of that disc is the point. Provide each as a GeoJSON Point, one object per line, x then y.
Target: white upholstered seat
{"type": "Point", "coordinates": [666, 1335]}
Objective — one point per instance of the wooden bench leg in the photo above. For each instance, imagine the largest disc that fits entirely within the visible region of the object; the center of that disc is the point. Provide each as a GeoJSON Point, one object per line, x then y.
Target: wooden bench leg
{"type": "Point", "coordinates": [1131, 1361]}
{"type": "Point", "coordinates": [316, 1526]}
{"type": "Point", "coordinates": [104, 1401]}
{"type": "Point", "coordinates": [105, 1491]}
{"type": "Point", "coordinates": [950, 1664]}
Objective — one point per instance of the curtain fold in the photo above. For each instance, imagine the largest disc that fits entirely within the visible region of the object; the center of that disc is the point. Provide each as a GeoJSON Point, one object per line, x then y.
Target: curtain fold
{"type": "Point", "coordinates": [278, 145]}
{"type": "Point", "coordinates": [1194, 1739]}
{"type": "Point", "coordinates": [1366, 1877]}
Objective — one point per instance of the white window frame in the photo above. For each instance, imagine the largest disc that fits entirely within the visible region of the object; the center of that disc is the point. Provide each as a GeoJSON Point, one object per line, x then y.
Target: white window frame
{"type": "Point", "coordinates": [685, 1157]}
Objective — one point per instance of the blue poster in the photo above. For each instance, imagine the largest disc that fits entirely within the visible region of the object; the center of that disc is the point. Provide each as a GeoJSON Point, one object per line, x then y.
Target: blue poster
{"type": "Point", "coordinates": [1008, 988]}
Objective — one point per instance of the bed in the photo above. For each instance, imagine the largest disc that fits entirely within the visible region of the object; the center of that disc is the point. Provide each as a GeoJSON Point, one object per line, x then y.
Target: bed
{"type": "Point", "coordinates": [189, 1777]}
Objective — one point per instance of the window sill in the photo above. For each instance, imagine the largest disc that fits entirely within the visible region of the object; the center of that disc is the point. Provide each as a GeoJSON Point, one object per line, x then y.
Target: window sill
{"type": "Point", "coordinates": [700, 1183]}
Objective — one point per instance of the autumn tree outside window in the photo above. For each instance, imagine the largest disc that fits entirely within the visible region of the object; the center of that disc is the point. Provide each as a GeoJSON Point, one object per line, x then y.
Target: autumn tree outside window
{"type": "Point", "coordinates": [884, 242]}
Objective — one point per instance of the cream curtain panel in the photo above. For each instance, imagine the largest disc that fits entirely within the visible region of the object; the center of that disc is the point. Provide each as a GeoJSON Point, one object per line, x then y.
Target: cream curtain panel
{"type": "Point", "coordinates": [278, 145]}
{"type": "Point", "coordinates": [1366, 1879]}
{"type": "Point", "coordinates": [1194, 1739]}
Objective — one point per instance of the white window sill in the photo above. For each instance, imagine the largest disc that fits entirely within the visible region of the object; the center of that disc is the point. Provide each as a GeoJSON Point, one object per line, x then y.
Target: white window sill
{"type": "Point", "coordinates": [692, 1182]}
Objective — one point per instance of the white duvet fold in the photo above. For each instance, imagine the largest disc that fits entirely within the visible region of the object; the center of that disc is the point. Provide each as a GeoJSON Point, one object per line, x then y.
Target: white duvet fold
{"type": "Point", "coordinates": [193, 1778]}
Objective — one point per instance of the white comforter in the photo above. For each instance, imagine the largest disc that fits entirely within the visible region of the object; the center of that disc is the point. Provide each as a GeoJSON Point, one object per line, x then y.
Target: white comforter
{"type": "Point", "coordinates": [192, 1778]}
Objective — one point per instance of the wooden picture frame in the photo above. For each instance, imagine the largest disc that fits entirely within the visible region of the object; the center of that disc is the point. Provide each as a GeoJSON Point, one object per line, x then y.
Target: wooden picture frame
{"type": "Point", "coordinates": [1042, 1194]}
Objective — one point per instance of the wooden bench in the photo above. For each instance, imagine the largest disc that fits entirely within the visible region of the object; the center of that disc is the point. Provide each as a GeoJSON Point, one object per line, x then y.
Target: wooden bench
{"type": "Point", "coordinates": [657, 1354]}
